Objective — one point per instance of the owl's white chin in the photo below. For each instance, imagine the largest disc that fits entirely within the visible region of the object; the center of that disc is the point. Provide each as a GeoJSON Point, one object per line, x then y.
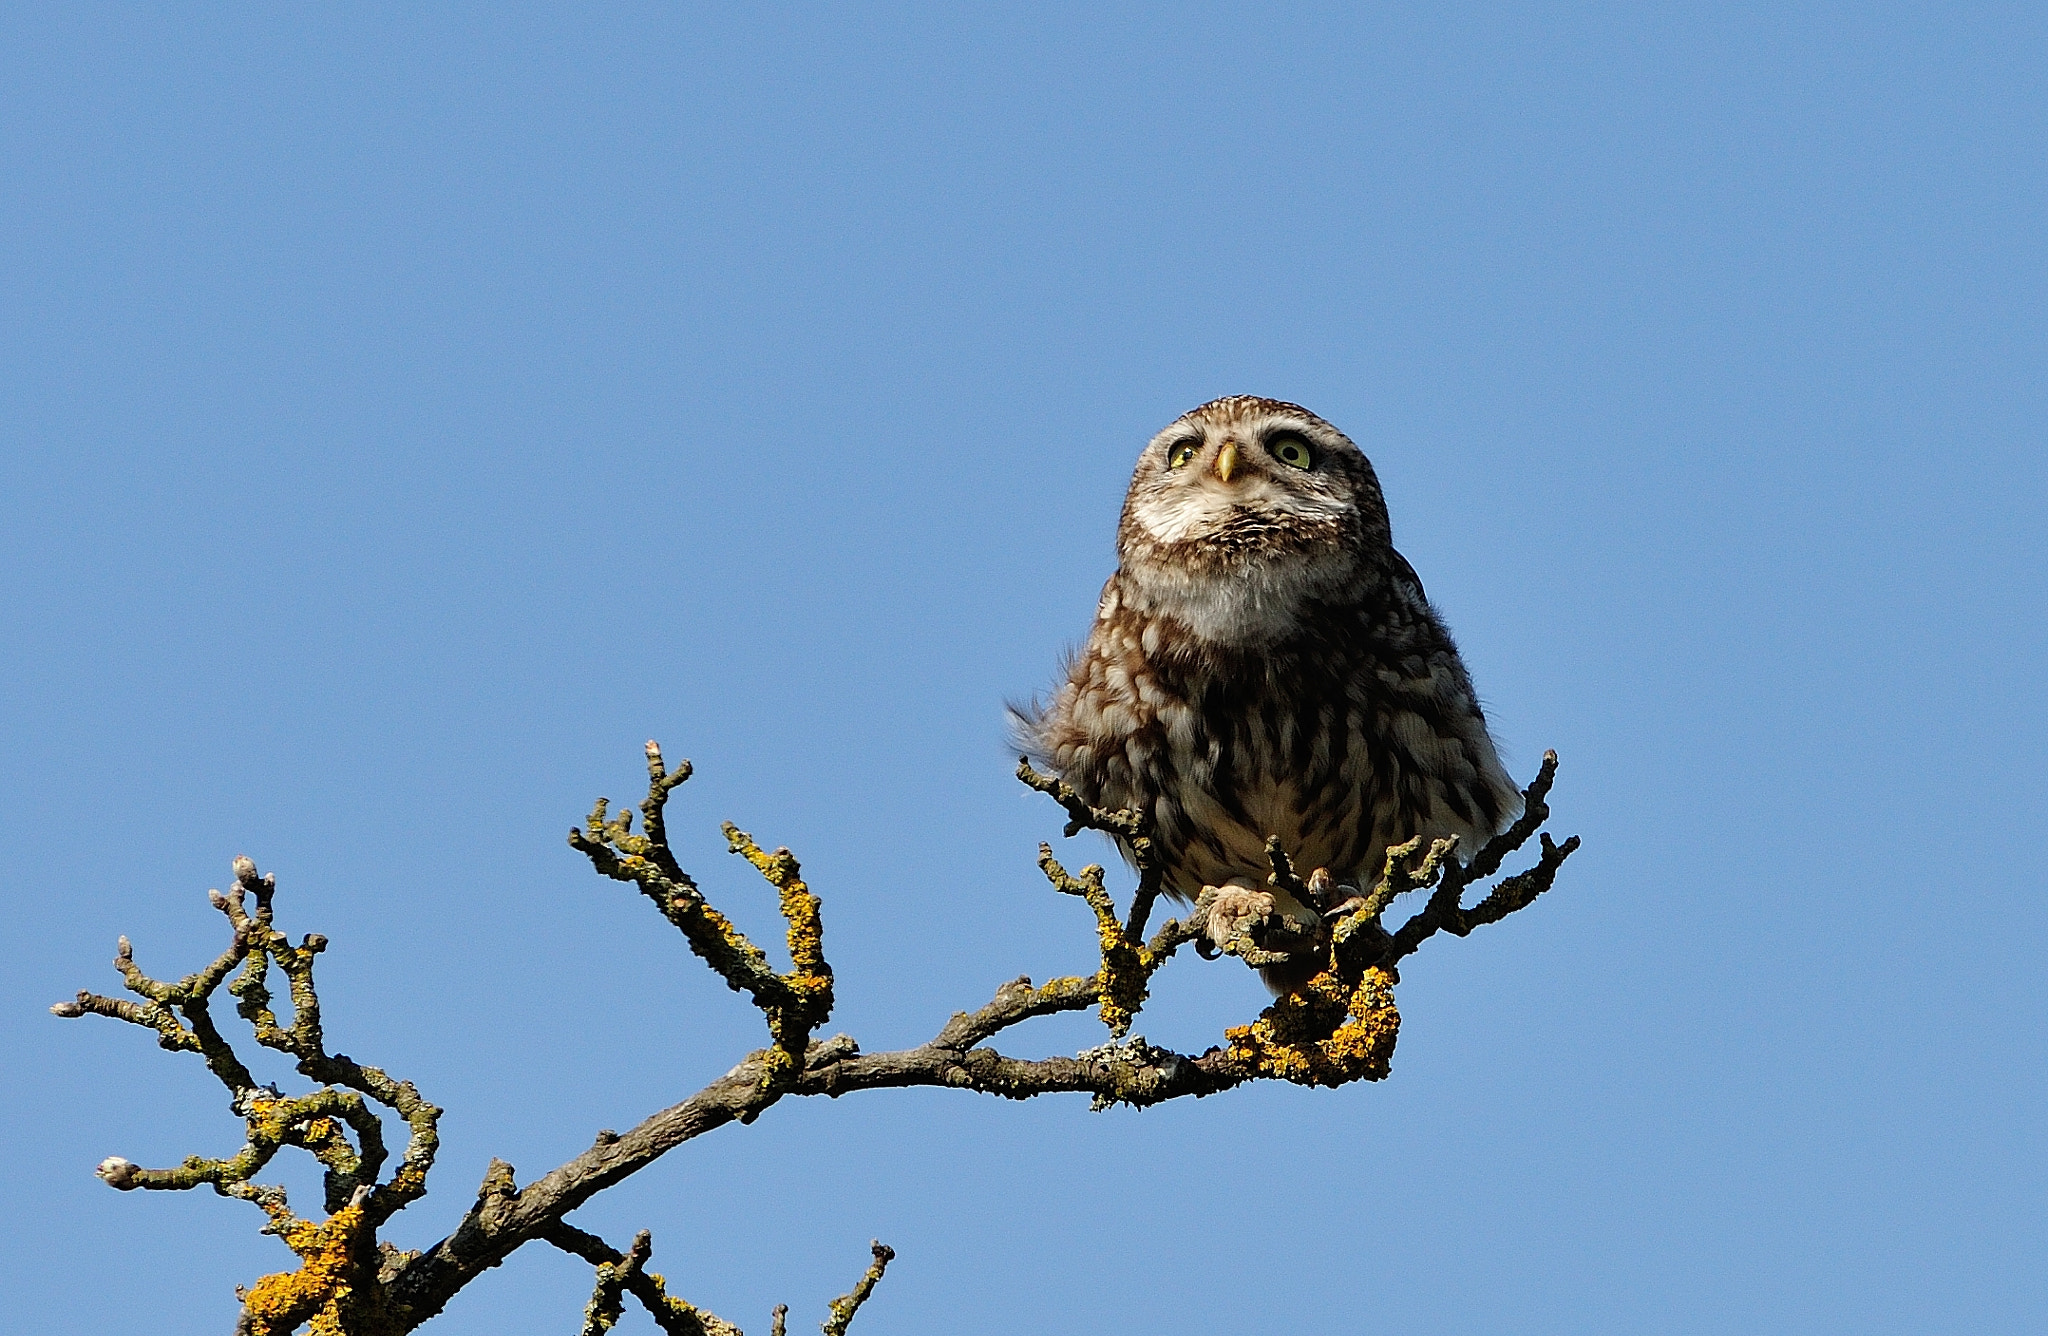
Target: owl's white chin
{"type": "Point", "coordinates": [1238, 566]}
{"type": "Point", "coordinates": [1244, 601]}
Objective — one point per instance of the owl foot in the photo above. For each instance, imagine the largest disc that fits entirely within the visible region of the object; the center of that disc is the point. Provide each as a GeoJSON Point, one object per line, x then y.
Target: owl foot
{"type": "Point", "coordinates": [1257, 926]}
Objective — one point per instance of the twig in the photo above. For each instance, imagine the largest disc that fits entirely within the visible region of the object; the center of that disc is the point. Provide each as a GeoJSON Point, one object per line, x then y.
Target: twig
{"type": "Point", "coordinates": [338, 1256]}
{"type": "Point", "coordinates": [1132, 830]}
{"type": "Point", "coordinates": [846, 1305]}
{"type": "Point", "coordinates": [1128, 963]}
{"type": "Point", "coordinates": [1443, 912]}
{"type": "Point", "coordinates": [617, 1272]}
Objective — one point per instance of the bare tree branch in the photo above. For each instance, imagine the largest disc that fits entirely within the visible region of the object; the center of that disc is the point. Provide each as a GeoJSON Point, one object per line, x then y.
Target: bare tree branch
{"type": "Point", "coordinates": [1131, 828]}
{"type": "Point", "coordinates": [617, 1272]}
{"type": "Point", "coordinates": [1516, 892]}
{"type": "Point", "coordinates": [1127, 964]}
{"type": "Point", "coordinates": [794, 1004]}
{"type": "Point", "coordinates": [1338, 1027]}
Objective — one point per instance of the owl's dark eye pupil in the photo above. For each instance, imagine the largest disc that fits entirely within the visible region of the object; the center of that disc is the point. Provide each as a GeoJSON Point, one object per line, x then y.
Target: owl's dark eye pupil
{"type": "Point", "coordinates": [1180, 454]}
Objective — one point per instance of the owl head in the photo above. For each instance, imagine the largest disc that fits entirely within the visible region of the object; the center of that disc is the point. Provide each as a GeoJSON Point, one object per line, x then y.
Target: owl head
{"type": "Point", "coordinates": [1245, 511]}
{"type": "Point", "coordinates": [1245, 480]}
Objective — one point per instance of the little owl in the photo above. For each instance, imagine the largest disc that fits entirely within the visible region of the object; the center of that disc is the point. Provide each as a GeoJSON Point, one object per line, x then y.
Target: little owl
{"type": "Point", "coordinates": [1264, 663]}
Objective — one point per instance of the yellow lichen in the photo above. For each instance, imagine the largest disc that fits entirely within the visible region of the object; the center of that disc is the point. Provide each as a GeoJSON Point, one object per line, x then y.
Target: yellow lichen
{"type": "Point", "coordinates": [800, 908]}
{"type": "Point", "coordinates": [1122, 980]}
{"type": "Point", "coordinates": [806, 927]}
{"type": "Point", "coordinates": [733, 939]}
{"type": "Point", "coordinates": [323, 1291]}
{"type": "Point", "coordinates": [1325, 1033]}
{"type": "Point", "coordinates": [322, 1136]}
{"type": "Point", "coordinates": [679, 1308]}
{"type": "Point", "coordinates": [408, 1183]}
{"type": "Point", "coordinates": [811, 989]}
{"type": "Point", "coordinates": [778, 1068]}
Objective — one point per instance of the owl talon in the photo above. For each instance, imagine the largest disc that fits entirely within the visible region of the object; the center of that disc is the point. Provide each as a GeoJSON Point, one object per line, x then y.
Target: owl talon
{"type": "Point", "coordinates": [1349, 905]}
{"type": "Point", "coordinates": [1329, 897]}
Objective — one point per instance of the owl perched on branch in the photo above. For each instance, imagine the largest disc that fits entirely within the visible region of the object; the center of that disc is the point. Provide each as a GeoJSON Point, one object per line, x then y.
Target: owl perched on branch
{"type": "Point", "coordinates": [1264, 663]}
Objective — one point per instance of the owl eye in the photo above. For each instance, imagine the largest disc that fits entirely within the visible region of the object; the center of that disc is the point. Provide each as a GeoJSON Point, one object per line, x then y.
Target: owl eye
{"type": "Point", "coordinates": [1291, 451]}
{"type": "Point", "coordinates": [1181, 453]}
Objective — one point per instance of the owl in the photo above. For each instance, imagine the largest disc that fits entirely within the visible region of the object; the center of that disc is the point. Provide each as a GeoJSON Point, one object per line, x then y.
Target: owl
{"type": "Point", "coordinates": [1264, 663]}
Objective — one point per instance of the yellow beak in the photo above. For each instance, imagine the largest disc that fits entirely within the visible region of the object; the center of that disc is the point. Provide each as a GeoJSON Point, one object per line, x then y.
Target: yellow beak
{"type": "Point", "coordinates": [1226, 460]}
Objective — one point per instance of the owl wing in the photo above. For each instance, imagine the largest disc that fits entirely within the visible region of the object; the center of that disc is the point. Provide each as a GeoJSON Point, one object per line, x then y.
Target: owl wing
{"type": "Point", "coordinates": [1404, 572]}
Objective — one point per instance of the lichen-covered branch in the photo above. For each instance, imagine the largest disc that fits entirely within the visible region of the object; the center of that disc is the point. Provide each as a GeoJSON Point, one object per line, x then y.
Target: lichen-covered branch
{"type": "Point", "coordinates": [794, 1004]}
{"type": "Point", "coordinates": [335, 1288]}
{"type": "Point", "coordinates": [1338, 1027]}
{"type": "Point", "coordinates": [337, 1283]}
{"type": "Point", "coordinates": [1128, 963]}
{"type": "Point", "coordinates": [1131, 828]}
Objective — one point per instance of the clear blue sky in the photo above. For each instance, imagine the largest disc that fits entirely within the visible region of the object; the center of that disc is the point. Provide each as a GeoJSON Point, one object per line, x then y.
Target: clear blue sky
{"type": "Point", "coordinates": [407, 414]}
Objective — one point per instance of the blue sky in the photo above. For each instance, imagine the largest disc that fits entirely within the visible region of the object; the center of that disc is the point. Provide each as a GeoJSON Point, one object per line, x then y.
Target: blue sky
{"type": "Point", "coordinates": [408, 413]}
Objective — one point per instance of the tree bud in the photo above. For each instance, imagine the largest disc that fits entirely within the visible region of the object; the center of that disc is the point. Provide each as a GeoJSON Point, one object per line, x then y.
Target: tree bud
{"type": "Point", "coordinates": [118, 1173]}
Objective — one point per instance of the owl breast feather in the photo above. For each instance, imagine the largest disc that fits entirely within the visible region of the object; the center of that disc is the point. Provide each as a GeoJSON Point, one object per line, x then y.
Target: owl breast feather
{"type": "Point", "coordinates": [1349, 732]}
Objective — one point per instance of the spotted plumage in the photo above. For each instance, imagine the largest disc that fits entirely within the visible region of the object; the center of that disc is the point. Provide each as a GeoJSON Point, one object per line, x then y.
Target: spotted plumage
{"type": "Point", "coordinates": [1263, 662]}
